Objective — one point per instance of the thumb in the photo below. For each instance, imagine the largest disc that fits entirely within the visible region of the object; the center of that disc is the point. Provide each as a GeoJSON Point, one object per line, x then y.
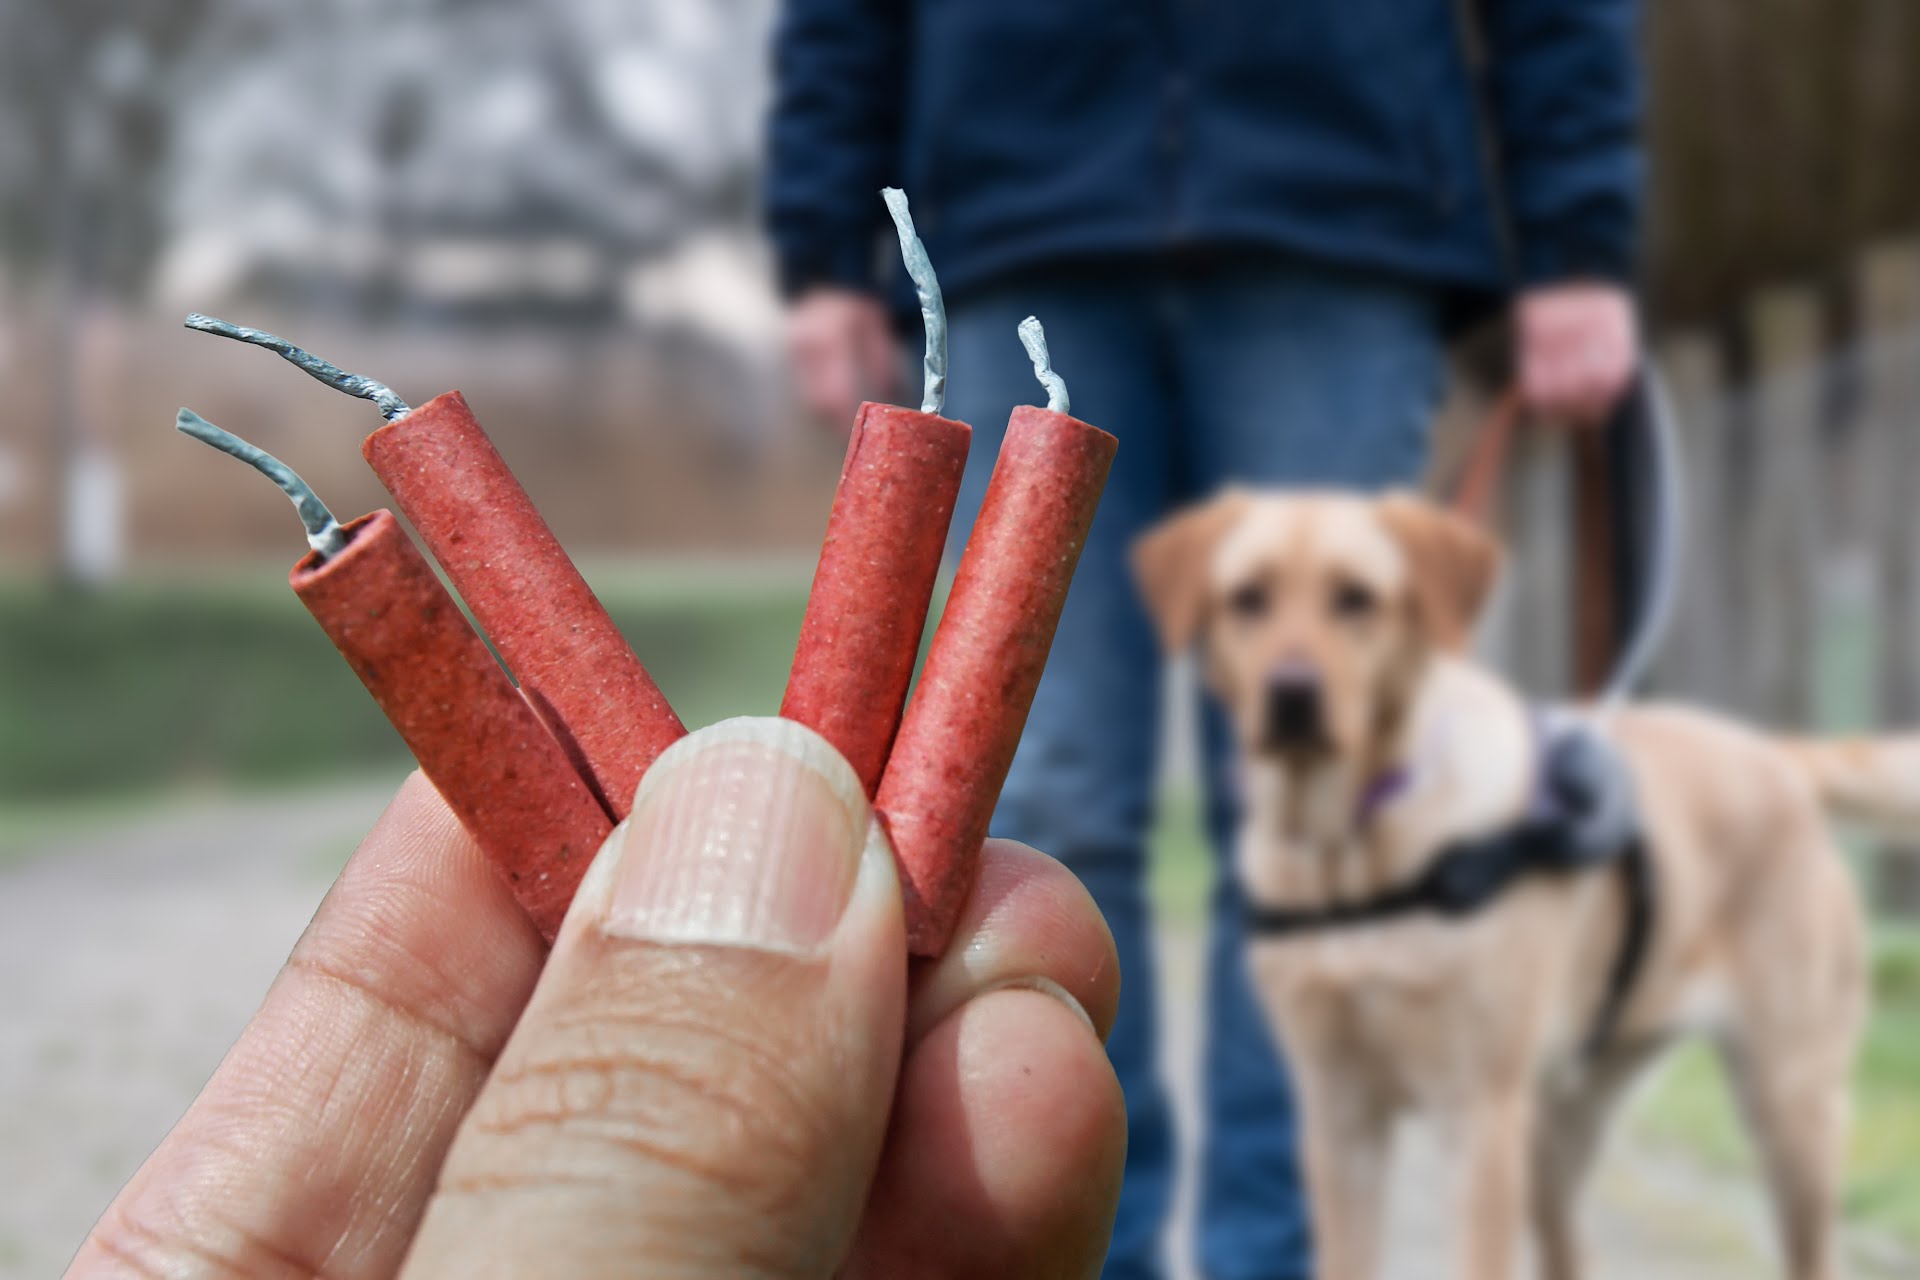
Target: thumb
{"type": "Point", "coordinates": [701, 1081]}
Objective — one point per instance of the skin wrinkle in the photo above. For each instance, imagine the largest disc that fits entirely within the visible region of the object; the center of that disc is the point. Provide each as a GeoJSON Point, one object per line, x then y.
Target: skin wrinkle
{"type": "Point", "coordinates": [108, 1242]}
{"type": "Point", "coordinates": [434, 860]}
{"type": "Point", "coordinates": [421, 1116]}
{"type": "Point", "coordinates": [484, 1184]}
{"type": "Point", "coordinates": [769, 1065]}
{"type": "Point", "coordinates": [597, 1101]}
{"type": "Point", "coordinates": [393, 1214]}
{"type": "Point", "coordinates": [254, 1242]}
{"type": "Point", "coordinates": [349, 1077]}
{"type": "Point", "coordinates": [435, 992]}
{"type": "Point", "coordinates": [772, 1188]}
{"type": "Point", "coordinates": [375, 1031]}
{"type": "Point", "coordinates": [644, 1107]}
{"type": "Point", "coordinates": [357, 989]}
{"type": "Point", "coordinates": [180, 1243]}
{"type": "Point", "coordinates": [649, 1144]}
{"type": "Point", "coordinates": [359, 1065]}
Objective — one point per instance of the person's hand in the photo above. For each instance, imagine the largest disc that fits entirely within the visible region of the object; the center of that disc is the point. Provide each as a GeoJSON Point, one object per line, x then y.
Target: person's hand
{"type": "Point", "coordinates": [843, 352]}
{"type": "Point", "coordinates": [1578, 348]}
{"type": "Point", "coordinates": [723, 1070]}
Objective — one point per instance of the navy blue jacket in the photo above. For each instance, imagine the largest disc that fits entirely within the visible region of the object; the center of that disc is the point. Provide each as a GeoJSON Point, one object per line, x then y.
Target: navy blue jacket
{"type": "Point", "coordinates": [1478, 145]}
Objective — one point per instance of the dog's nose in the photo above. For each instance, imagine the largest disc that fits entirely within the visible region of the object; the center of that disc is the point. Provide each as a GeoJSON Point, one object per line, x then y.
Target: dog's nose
{"type": "Point", "coordinates": [1295, 719]}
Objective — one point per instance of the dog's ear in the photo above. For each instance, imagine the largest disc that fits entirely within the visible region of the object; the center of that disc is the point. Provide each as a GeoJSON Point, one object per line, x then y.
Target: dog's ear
{"type": "Point", "coordinates": [1170, 565]}
{"type": "Point", "coordinates": [1454, 565]}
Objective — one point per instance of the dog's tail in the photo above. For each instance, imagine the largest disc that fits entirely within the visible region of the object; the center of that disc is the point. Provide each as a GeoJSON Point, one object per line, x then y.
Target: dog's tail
{"type": "Point", "coordinates": [1873, 781]}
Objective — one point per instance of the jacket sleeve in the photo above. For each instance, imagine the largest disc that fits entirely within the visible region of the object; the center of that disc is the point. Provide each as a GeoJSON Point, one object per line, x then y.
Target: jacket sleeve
{"type": "Point", "coordinates": [834, 136]}
{"type": "Point", "coordinates": [1565, 88]}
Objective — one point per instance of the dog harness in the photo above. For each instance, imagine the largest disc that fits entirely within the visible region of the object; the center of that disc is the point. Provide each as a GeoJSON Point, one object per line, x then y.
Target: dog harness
{"type": "Point", "coordinates": [1583, 818]}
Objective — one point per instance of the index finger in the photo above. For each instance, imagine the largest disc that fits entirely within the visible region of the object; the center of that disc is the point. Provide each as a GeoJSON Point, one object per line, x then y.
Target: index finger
{"type": "Point", "coordinates": [313, 1148]}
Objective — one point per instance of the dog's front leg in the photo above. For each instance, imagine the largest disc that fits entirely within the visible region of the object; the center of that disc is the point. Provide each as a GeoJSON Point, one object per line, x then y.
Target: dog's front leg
{"type": "Point", "coordinates": [1345, 1139]}
{"type": "Point", "coordinates": [1496, 1146]}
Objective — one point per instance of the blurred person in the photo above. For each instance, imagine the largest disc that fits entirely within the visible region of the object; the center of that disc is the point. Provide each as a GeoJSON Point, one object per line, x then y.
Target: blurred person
{"type": "Point", "coordinates": [1249, 230]}
{"type": "Point", "coordinates": [736, 1081]}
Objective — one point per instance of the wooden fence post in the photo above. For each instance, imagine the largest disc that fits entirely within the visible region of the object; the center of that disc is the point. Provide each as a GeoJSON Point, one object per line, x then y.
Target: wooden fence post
{"type": "Point", "coordinates": [1889, 429]}
{"type": "Point", "coordinates": [1694, 666]}
{"type": "Point", "coordinates": [1594, 566]}
{"type": "Point", "coordinates": [1781, 546]}
{"type": "Point", "coordinates": [1539, 582]}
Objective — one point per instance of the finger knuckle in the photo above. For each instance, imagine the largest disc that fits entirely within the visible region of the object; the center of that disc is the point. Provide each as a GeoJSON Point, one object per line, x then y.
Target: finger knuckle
{"type": "Point", "coordinates": [135, 1245]}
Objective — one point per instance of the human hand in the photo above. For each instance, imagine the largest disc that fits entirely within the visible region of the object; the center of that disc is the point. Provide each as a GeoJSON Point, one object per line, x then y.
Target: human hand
{"type": "Point", "coordinates": [842, 351]}
{"type": "Point", "coordinates": [725, 1067]}
{"type": "Point", "coordinates": [1578, 348]}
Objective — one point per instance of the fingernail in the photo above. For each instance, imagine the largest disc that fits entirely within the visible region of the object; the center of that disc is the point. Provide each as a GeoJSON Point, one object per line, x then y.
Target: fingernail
{"type": "Point", "coordinates": [747, 833]}
{"type": "Point", "coordinates": [1047, 987]}
{"type": "Point", "coordinates": [932, 1006]}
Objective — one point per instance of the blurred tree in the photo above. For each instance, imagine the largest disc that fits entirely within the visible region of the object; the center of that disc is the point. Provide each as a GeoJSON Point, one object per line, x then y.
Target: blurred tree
{"type": "Point", "coordinates": [466, 158]}
{"type": "Point", "coordinates": [84, 132]}
{"type": "Point", "coordinates": [86, 96]}
{"type": "Point", "coordinates": [475, 157]}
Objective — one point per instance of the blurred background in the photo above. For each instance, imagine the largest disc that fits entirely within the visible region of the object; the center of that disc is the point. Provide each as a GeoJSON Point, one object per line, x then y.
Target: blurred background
{"type": "Point", "coordinates": [553, 208]}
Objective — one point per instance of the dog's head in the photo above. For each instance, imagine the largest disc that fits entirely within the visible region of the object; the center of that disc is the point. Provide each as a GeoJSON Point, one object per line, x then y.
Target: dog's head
{"type": "Point", "coordinates": [1316, 611]}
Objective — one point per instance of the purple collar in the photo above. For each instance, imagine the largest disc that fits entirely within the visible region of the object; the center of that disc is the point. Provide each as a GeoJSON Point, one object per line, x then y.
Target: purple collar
{"type": "Point", "coordinates": [1387, 786]}
{"type": "Point", "coordinates": [1391, 783]}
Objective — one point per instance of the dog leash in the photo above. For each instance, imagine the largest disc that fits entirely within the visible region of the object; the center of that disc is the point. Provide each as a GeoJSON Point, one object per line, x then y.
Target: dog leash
{"type": "Point", "coordinates": [1649, 407]}
{"type": "Point", "coordinates": [1643, 451]}
{"type": "Point", "coordinates": [1650, 465]}
{"type": "Point", "coordinates": [1642, 439]}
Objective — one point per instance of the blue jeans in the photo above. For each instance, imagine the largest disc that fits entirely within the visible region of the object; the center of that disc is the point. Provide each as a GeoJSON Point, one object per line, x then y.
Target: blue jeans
{"type": "Point", "coordinates": [1270, 373]}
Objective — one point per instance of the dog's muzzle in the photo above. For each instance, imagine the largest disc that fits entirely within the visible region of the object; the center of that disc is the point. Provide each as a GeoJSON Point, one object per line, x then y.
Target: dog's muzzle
{"type": "Point", "coordinates": [1293, 720]}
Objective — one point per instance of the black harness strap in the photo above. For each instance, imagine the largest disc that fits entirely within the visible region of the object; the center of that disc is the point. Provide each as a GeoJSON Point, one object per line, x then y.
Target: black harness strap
{"type": "Point", "coordinates": [1637, 883]}
{"type": "Point", "coordinates": [1584, 819]}
{"type": "Point", "coordinates": [1461, 881]}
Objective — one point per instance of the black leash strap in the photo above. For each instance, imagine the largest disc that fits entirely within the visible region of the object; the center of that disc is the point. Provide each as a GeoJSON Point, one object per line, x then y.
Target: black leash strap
{"type": "Point", "coordinates": [1646, 473]}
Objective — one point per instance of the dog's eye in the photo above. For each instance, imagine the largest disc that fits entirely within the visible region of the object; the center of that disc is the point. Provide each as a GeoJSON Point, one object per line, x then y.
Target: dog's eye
{"type": "Point", "coordinates": [1353, 601]}
{"type": "Point", "coordinates": [1249, 600]}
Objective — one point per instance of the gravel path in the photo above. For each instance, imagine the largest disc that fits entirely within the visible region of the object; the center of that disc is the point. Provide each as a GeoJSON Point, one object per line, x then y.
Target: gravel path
{"type": "Point", "coordinates": [133, 955]}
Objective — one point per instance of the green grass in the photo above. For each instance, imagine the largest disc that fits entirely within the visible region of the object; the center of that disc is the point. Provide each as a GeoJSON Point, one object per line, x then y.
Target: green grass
{"type": "Point", "coordinates": [33, 824]}
{"type": "Point", "coordinates": [1181, 871]}
{"type": "Point", "coordinates": [1691, 1110]}
{"type": "Point", "coordinates": [164, 684]}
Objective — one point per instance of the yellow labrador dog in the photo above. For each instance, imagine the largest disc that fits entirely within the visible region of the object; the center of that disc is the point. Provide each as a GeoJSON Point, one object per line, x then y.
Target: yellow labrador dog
{"type": "Point", "coordinates": [1333, 627]}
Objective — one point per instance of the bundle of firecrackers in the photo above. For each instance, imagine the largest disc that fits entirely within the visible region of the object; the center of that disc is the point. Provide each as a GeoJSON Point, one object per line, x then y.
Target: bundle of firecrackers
{"type": "Point", "coordinates": [539, 764]}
